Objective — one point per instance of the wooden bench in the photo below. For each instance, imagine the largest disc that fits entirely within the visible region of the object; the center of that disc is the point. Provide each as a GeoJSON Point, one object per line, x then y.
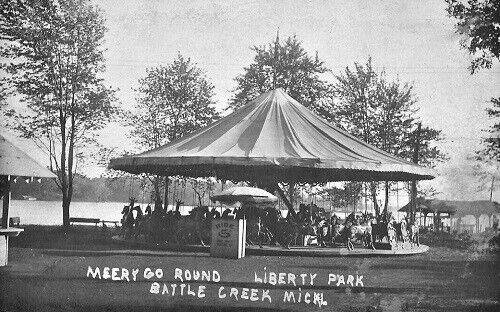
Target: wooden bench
{"type": "Point", "coordinates": [13, 221]}
{"type": "Point", "coordinates": [110, 222]}
{"type": "Point", "coordinates": [85, 220]}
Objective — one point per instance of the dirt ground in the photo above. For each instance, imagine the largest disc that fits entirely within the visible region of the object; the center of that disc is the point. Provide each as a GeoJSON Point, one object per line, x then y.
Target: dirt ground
{"type": "Point", "coordinates": [66, 279]}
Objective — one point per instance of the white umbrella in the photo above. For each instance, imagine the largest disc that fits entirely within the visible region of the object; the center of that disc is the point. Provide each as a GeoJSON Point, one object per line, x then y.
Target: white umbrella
{"type": "Point", "coordinates": [244, 194]}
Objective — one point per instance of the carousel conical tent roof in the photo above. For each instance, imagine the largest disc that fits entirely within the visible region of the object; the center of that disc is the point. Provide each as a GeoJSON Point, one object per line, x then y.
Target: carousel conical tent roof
{"type": "Point", "coordinates": [273, 138]}
{"type": "Point", "coordinates": [15, 162]}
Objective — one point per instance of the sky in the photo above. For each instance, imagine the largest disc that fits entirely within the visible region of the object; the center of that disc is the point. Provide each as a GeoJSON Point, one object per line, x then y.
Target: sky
{"type": "Point", "coordinates": [414, 41]}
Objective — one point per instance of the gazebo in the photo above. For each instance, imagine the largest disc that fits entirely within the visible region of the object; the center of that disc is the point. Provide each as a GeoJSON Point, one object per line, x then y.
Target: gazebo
{"type": "Point", "coordinates": [14, 162]}
{"type": "Point", "coordinates": [273, 139]}
{"type": "Point", "coordinates": [431, 206]}
{"type": "Point", "coordinates": [457, 209]}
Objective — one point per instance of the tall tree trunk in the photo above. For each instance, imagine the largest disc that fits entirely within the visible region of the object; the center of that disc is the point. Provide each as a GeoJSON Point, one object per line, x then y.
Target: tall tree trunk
{"type": "Point", "coordinates": [63, 172]}
{"type": "Point", "coordinates": [491, 189]}
{"type": "Point", "coordinates": [65, 205]}
{"type": "Point", "coordinates": [71, 157]}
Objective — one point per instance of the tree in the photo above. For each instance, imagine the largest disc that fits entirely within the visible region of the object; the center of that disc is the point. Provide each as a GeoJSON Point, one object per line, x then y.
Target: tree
{"type": "Point", "coordinates": [491, 149]}
{"type": "Point", "coordinates": [343, 197]}
{"type": "Point", "coordinates": [382, 113]}
{"type": "Point", "coordinates": [286, 66]}
{"type": "Point", "coordinates": [488, 168]}
{"type": "Point", "coordinates": [172, 101]}
{"type": "Point", "coordinates": [488, 173]}
{"type": "Point", "coordinates": [54, 57]}
{"type": "Point", "coordinates": [478, 24]}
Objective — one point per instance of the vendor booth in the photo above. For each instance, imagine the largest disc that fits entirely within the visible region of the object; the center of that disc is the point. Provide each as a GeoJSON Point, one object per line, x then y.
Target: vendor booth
{"type": "Point", "coordinates": [13, 163]}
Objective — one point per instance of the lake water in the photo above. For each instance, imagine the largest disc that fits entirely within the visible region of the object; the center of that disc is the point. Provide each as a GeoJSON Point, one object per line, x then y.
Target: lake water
{"type": "Point", "coordinates": [50, 212]}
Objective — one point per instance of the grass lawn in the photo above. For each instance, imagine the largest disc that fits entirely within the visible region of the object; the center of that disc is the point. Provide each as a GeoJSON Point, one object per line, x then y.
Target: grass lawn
{"type": "Point", "coordinates": [456, 274]}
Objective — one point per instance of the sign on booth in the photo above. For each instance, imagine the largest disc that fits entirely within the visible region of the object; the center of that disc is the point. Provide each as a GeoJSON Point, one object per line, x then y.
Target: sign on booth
{"type": "Point", "coordinates": [228, 239]}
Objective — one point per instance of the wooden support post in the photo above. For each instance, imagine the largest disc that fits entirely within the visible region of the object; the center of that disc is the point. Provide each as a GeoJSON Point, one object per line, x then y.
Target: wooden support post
{"type": "Point", "coordinates": [222, 182]}
{"type": "Point", "coordinates": [287, 203]}
{"type": "Point", "coordinates": [438, 221]}
{"type": "Point", "coordinates": [165, 194]}
{"type": "Point", "coordinates": [434, 220]}
{"type": "Point", "coordinates": [6, 204]}
{"type": "Point", "coordinates": [416, 148]}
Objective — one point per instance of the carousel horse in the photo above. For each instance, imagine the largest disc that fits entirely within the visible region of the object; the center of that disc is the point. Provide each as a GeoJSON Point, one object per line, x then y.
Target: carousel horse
{"type": "Point", "coordinates": [287, 232]}
{"type": "Point", "coordinates": [391, 234]}
{"type": "Point", "coordinates": [323, 229]}
{"type": "Point", "coordinates": [259, 233]}
{"type": "Point", "coordinates": [413, 234]}
{"type": "Point", "coordinates": [336, 231]}
{"type": "Point", "coordinates": [309, 230]}
{"type": "Point", "coordinates": [195, 227]}
{"type": "Point", "coordinates": [137, 223]}
{"type": "Point", "coordinates": [165, 224]}
{"type": "Point", "coordinates": [143, 224]}
{"type": "Point", "coordinates": [128, 219]}
{"type": "Point", "coordinates": [168, 226]}
{"type": "Point", "coordinates": [269, 219]}
{"type": "Point", "coordinates": [154, 226]}
{"type": "Point", "coordinates": [360, 230]}
{"type": "Point", "coordinates": [282, 230]}
{"type": "Point", "coordinates": [401, 232]}
{"type": "Point", "coordinates": [351, 218]}
{"type": "Point", "coordinates": [379, 229]}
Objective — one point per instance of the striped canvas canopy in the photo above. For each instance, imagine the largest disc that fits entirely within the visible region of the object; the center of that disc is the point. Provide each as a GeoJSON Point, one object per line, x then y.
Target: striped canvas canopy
{"type": "Point", "coordinates": [273, 138]}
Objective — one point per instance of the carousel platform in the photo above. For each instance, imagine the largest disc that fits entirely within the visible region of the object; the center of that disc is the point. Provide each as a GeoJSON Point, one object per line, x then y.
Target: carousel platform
{"type": "Point", "coordinates": [293, 251]}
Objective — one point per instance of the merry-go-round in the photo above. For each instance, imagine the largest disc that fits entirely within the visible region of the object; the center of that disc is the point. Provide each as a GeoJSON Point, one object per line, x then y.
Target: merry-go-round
{"type": "Point", "coordinates": [273, 143]}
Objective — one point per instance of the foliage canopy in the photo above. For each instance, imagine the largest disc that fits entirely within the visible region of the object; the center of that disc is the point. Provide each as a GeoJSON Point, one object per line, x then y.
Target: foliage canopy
{"type": "Point", "coordinates": [285, 65]}
{"type": "Point", "coordinates": [173, 100]}
{"type": "Point", "coordinates": [53, 58]}
{"type": "Point", "coordinates": [478, 21]}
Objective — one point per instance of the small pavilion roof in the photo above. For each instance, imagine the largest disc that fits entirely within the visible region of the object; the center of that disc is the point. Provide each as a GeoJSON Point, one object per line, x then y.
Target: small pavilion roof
{"type": "Point", "coordinates": [455, 207]}
{"type": "Point", "coordinates": [15, 162]}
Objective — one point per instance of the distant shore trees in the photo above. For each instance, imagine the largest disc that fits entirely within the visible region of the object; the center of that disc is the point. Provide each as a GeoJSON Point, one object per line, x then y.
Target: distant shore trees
{"type": "Point", "coordinates": [53, 57]}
